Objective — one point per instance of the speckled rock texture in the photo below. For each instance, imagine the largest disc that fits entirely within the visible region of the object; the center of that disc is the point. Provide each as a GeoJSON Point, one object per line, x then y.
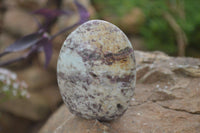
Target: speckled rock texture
{"type": "Point", "coordinates": [96, 71]}
{"type": "Point", "coordinates": [166, 100]}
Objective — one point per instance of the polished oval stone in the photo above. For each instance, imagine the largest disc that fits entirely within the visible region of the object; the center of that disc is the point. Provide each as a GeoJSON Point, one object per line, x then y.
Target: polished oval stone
{"type": "Point", "coordinates": [96, 71]}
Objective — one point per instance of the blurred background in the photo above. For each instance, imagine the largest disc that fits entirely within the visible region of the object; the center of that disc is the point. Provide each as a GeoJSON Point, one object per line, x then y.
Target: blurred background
{"type": "Point", "coordinates": [29, 92]}
{"type": "Point", "coordinates": [171, 26]}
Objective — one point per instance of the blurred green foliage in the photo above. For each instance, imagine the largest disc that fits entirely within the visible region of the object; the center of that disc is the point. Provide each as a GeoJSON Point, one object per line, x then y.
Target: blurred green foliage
{"type": "Point", "coordinates": [157, 32]}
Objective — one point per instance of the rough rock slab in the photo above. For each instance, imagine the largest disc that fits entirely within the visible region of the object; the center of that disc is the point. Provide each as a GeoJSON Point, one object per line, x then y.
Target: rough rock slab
{"type": "Point", "coordinates": [166, 100]}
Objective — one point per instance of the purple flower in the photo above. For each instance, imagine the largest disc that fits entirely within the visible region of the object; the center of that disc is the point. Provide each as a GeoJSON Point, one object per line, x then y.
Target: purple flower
{"type": "Point", "coordinates": [41, 39]}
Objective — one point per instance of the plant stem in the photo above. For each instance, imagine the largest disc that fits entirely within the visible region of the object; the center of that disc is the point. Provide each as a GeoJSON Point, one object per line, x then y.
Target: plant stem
{"type": "Point", "coordinates": [64, 30]}
{"type": "Point", "coordinates": [180, 34]}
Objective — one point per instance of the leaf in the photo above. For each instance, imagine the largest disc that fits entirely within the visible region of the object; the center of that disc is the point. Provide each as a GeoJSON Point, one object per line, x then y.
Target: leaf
{"type": "Point", "coordinates": [4, 53]}
{"type": "Point", "coordinates": [24, 43]}
{"type": "Point", "coordinates": [24, 56]}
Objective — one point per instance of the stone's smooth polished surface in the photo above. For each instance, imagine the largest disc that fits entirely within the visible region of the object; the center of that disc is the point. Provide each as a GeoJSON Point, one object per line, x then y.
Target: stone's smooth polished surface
{"type": "Point", "coordinates": [96, 71]}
